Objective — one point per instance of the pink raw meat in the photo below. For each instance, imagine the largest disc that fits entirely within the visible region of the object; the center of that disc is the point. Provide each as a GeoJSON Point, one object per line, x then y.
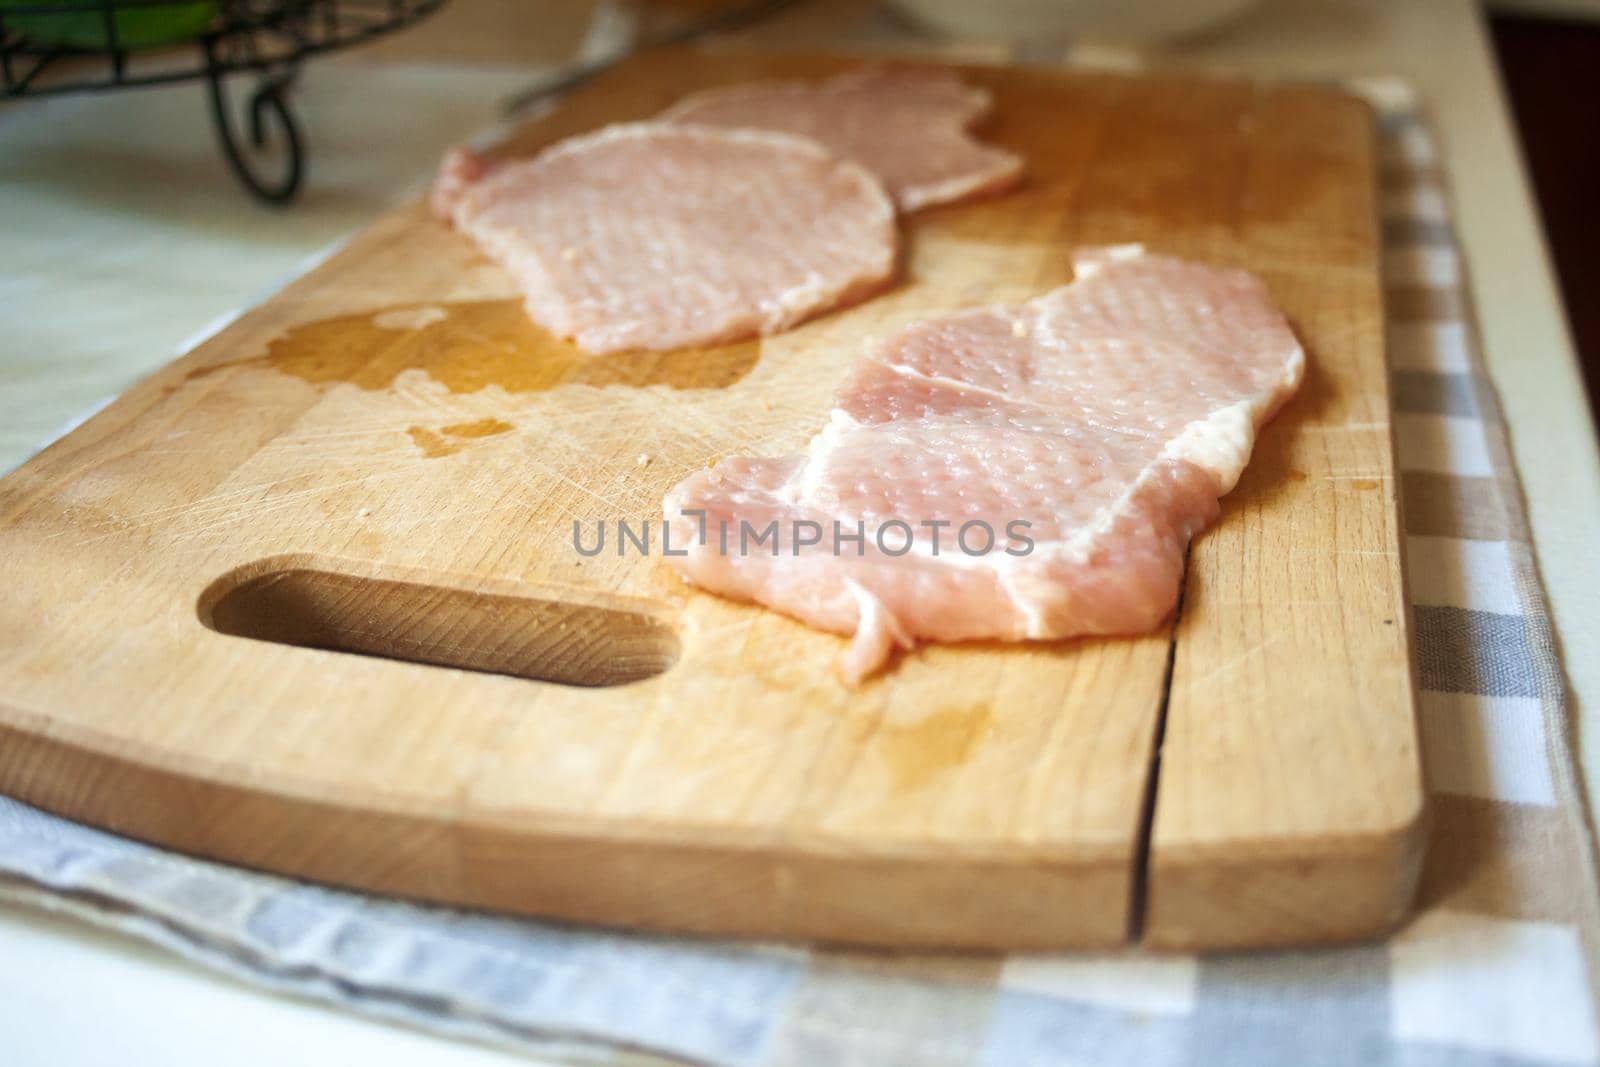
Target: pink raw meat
{"type": "Point", "coordinates": [1110, 414]}
{"type": "Point", "coordinates": [461, 170]}
{"type": "Point", "coordinates": [908, 125]}
{"type": "Point", "coordinates": [657, 236]}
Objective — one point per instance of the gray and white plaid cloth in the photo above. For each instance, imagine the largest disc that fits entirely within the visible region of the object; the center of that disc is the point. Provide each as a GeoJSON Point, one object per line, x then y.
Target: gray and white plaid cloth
{"type": "Point", "coordinates": [1497, 967]}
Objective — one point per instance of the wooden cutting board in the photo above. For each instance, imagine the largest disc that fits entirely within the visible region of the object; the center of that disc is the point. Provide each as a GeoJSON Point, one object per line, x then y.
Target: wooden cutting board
{"type": "Point", "coordinates": [387, 457]}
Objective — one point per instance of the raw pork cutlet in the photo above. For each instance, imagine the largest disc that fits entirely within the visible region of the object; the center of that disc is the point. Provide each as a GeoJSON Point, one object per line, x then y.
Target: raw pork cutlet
{"type": "Point", "coordinates": [656, 236]}
{"type": "Point", "coordinates": [1110, 414]}
{"type": "Point", "coordinates": [908, 125]}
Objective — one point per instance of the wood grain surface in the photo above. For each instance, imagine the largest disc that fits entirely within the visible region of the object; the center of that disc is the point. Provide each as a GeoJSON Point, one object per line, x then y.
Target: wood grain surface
{"type": "Point", "coordinates": [387, 458]}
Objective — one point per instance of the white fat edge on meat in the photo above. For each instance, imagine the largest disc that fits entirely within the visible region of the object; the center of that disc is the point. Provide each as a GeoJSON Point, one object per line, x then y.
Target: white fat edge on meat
{"type": "Point", "coordinates": [877, 630]}
{"type": "Point", "coordinates": [806, 476]}
{"type": "Point", "coordinates": [957, 384]}
{"type": "Point", "coordinates": [627, 131]}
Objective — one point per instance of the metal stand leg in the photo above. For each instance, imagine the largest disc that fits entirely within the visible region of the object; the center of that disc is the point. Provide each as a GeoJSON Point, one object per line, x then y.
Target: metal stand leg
{"type": "Point", "coordinates": [268, 106]}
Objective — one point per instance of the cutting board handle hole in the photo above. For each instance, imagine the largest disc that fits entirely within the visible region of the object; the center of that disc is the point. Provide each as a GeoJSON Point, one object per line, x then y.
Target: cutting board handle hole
{"type": "Point", "coordinates": [524, 636]}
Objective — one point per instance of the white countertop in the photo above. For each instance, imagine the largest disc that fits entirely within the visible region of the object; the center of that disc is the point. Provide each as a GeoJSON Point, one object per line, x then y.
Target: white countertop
{"type": "Point", "coordinates": [125, 236]}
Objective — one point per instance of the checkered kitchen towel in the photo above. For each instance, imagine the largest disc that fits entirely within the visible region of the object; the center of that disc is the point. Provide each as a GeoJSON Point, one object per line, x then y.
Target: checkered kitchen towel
{"type": "Point", "coordinates": [1498, 966]}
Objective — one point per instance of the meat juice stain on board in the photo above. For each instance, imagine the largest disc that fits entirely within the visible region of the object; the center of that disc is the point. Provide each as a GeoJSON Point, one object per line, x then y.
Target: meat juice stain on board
{"type": "Point", "coordinates": [916, 753]}
{"type": "Point", "coordinates": [472, 345]}
{"type": "Point", "coordinates": [451, 439]}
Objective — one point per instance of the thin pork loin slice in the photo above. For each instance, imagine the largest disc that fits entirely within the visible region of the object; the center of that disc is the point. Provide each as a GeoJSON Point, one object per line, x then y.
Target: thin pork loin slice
{"type": "Point", "coordinates": [1108, 416]}
{"type": "Point", "coordinates": [908, 125]}
{"type": "Point", "coordinates": [657, 236]}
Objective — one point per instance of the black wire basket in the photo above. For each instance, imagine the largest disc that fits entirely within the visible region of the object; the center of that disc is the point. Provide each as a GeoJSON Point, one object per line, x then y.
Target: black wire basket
{"type": "Point", "coordinates": [67, 46]}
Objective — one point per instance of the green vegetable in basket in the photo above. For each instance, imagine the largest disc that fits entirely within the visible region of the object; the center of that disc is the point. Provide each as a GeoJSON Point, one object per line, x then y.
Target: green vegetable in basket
{"type": "Point", "coordinates": [142, 26]}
